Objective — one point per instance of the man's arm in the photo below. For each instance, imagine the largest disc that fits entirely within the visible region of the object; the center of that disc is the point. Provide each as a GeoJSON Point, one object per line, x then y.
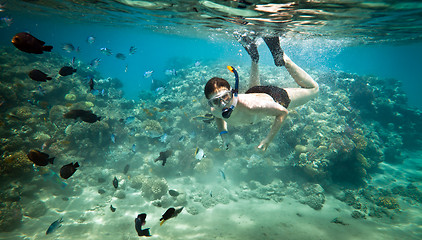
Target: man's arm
{"type": "Point", "coordinates": [222, 129]}
{"type": "Point", "coordinates": [280, 114]}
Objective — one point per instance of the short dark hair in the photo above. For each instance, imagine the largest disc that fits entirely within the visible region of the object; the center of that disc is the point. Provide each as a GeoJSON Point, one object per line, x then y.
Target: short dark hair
{"type": "Point", "coordinates": [215, 84]}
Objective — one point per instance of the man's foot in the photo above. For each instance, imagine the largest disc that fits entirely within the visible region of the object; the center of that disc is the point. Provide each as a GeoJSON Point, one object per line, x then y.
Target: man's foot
{"type": "Point", "coordinates": [250, 47]}
{"type": "Point", "coordinates": [273, 44]}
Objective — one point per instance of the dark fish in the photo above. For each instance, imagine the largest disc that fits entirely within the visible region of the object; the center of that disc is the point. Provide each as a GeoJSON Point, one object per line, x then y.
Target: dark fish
{"type": "Point", "coordinates": [173, 193]}
{"type": "Point", "coordinates": [170, 213]}
{"type": "Point", "coordinates": [91, 83]}
{"type": "Point", "coordinates": [86, 116]}
{"type": "Point", "coordinates": [132, 50]}
{"type": "Point", "coordinates": [126, 169]}
{"type": "Point", "coordinates": [121, 56]}
{"type": "Point", "coordinates": [39, 158]}
{"type": "Point", "coordinates": [115, 182]}
{"type": "Point", "coordinates": [56, 224]}
{"type": "Point", "coordinates": [139, 222]}
{"type": "Point", "coordinates": [222, 174]}
{"type": "Point", "coordinates": [66, 71]}
{"type": "Point", "coordinates": [38, 76]}
{"type": "Point", "coordinates": [163, 156]}
{"type": "Point", "coordinates": [338, 221]}
{"type": "Point", "coordinates": [30, 44]}
{"type": "Point", "coordinates": [68, 170]}
{"type": "Point", "coordinates": [113, 209]}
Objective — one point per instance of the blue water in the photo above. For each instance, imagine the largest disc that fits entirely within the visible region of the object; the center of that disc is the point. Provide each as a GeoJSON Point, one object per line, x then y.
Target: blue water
{"type": "Point", "coordinates": [159, 52]}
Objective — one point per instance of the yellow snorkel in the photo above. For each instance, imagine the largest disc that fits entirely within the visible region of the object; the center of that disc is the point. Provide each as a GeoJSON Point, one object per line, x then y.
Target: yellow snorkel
{"type": "Point", "coordinates": [228, 111]}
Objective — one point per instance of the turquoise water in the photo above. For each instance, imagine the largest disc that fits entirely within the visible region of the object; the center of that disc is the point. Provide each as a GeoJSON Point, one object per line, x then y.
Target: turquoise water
{"type": "Point", "coordinates": [345, 165]}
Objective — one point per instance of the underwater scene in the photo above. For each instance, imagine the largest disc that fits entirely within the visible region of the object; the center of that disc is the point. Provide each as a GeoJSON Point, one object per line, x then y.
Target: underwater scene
{"type": "Point", "coordinates": [210, 119]}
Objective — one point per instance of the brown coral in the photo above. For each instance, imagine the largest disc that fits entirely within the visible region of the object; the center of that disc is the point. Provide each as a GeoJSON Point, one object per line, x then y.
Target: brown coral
{"type": "Point", "coordinates": [388, 202]}
{"type": "Point", "coordinates": [360, 141]}
{"type": "Point", "coordinates": [16, 165]}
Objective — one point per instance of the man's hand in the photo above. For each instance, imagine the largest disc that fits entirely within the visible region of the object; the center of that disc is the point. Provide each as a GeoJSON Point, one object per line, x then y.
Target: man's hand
{"type": "Point", "coordinates": [264, 145]}
{"type": "Point", "coordinates": [226, 141]}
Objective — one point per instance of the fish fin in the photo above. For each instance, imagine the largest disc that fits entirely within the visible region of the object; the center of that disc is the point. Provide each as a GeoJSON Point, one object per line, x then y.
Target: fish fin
{"type": "Point", "coordinates": [47, 48]}
{"type": "Point", "coordinates": [76, 165]}
{"type": "Point", "coordinates": [162, 222]}
{"type": "Point", "coordinates": [51, 160]}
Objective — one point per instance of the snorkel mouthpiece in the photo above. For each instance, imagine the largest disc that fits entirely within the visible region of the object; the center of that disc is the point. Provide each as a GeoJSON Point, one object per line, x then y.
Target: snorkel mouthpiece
{"type": "Point", "coordinates": [226, 112]}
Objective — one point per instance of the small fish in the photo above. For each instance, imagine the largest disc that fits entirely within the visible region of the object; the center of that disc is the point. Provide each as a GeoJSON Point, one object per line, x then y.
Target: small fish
{"type": "Point", "coordinates": [73, 61]}
{"type": "Point", "coordinates": [129, 120]}
{"type": "Point", "coordinates": [55, 225]}
{"type": "Point", "coordinates": [148, 74]}
{"type": "Point", "coordinates": [207, 118]}
{"type": "Point", "coordinates": [86, 116]}
{"type": "Point", "coordinates": [139, 222]}
{"type": "Point", "coordinates": [113, 209]}
{"type": "Point", "coordinates": [7, 21]}
{"type": "Point", "coordinates": [222, 174]}
{"type": "Point", "coordinates": [132, 50]}
{"type": "Point", "coordinates": [170, 72]}
{"type": "Point", "coordinates": [66, 71]}
{"type": "Point", "coordinates": [163, 138]}
{"type": "Point", "coordinates": [126, 68]}
{"type": "Point", "coordinates": [170, 213]}
{"type": "Point", "coordinates": [68, 170]}
{"type": "Point", "coordinates": [133, 148]}
{"type": "Point", "coordinates": [126, 169]}
{"type": "Point", "coordinates": [30, 44]}
{"type": "Point", "coordinates": [120, 56]}
{"type": "Point", "coordinates": [197, 63]}
{"type": "Point", "coordinates": [50, 175]}
{"type": "Point", "coordinates": [91, 83]}
{"type": "Point", "coordinates": [106, 51]}
{"type": "Point", "coordinates": [181, 138]}
{"type": "Point", "coordinates": [2, 7]}
{"type": "Point", "coordinates": [173, 193]}
{"type": "Point", "coordinates": [39, 90]}
{"type": "Point", "coordinates": [113, 138]}
{"type": "Point", "coordinates": [159, 90]}
{"type": "Point", "coordinates": [115, 183]}
{"type": "Point", "coordinates": [40, 158]}
{"type": "Point", "coordinates": [68, 47]}
{"type": "Point", "coordinates": [163, 156]}
{"type": "Point", "coordinates": [210, 193]}
{"type": "Point", "coordinates": [199, 154]}
{"type": "Point", "coordinates": [38, 76]}
{"type": "Point", "coordinates": [338, 221]}
{"type": "Point", "coordinates": [90, 40]}
{"type": "Point", "coordinates": [95, 62]}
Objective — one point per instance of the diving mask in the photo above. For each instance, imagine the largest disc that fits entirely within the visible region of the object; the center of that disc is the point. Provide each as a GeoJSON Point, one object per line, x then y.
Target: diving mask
{"type": "Point", "coordinates": [221, 99]}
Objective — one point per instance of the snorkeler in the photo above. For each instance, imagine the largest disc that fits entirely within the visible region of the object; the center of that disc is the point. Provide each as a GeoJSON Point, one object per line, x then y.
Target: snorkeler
{"type": "Point", "coordinates": [229, 107]}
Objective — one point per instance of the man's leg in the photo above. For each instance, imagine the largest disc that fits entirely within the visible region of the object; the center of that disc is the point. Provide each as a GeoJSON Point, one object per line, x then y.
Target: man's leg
{"type": "Point", "coordinates": [250, 46]}
{"type": "Point", "coordinates": [273, 44]}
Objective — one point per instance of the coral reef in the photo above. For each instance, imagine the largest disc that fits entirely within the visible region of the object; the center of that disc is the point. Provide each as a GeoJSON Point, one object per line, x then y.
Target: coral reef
{"type": "Point", "coordinates": [153, 188]}
{"type": "Point", "coordinates": [336, 141]}
{"type": "Point", "coordinates": [16, 165]}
